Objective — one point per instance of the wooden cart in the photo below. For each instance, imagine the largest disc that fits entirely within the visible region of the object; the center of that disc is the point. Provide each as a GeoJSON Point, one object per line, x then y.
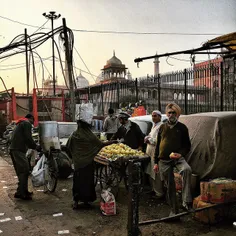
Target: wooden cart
{"type": "Point", "coordinates": [110, 173]}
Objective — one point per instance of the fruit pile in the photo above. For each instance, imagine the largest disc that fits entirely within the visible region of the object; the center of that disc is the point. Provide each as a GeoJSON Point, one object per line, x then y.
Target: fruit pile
{"type": "Point", "coordinates": [114, 151]}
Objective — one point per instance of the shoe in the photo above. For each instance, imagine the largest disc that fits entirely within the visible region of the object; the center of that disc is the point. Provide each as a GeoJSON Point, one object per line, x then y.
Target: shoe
{"type": "Point", "coordinates": [187, 206]}
{"type": "Point", "coordinates": [173, 216]}
{"type": "Point", "coordinates": [25, 197]}
{"type": "Point", "coordinates": [86, 205]}
{"type": "Point", "coordinates": [151, 193]}
{"type": "Point", "coordinates": [159, 197]}
{"type": "Point", "coordinates": [17, 195]}
{"type": "Point", "coordinates": [30, 193]}
{"type": "Point", "coordinates": [75, 206]}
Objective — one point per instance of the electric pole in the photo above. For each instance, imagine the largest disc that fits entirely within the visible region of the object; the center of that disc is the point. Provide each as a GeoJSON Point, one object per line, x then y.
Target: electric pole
{"type": "Point", "coordinates": [26, 62]}
{"type": "Point", "coordinates": [68, 51]}
{"type": "Point", "coordinates": [52, 16]}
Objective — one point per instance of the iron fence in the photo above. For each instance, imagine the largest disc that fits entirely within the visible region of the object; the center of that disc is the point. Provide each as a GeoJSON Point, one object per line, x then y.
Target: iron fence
{"type": "Point", "coordinates": [205, 88]}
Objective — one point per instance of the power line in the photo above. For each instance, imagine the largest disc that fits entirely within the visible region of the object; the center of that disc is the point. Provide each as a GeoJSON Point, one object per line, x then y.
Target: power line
{"type": "Point", "coordinates": [23, 63]}
{"type": "Point", "coordinates": [121, 32]}
{"type": "Point", "coordinates": [84, 63]}
{"type": "Point", "coordinates": [21, 23]}
{"type": "Point", "coordinates": [143, 33]}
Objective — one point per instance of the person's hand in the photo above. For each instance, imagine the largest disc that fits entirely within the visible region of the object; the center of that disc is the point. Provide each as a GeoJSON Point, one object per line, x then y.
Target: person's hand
{"type": "Point", "coordinates": [114, 141]}
{"type": "Point", "coordinates": [155, 168]}
{"type": "Point", "coordinates": [175, 155]}
{"type": "Point", "coordinates": [147, 141]}
{"type": "Point", "coordinates": [140, 148]}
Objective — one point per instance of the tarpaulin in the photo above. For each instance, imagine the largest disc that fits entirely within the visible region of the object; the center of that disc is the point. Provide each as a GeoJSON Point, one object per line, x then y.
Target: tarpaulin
{"type": "Point", "coordinates": [213, 139]}
{"type": "Point", "coordinates": [227, 40]}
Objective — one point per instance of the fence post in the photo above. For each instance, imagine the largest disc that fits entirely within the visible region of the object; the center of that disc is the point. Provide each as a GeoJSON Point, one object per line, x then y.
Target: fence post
{"type": "Point", "coordinates": [136, 89]}
{"type": "Point", "coordinates": [13, 103]}
{"type": "Point", "coordinates": [134, 179]}
{"type": "Point", "coordinates": [88, 93]}
{"type": "Point", "coordinates": [63, 105]}
{"type": "Point", "coordinates": [185, 92]}
{"type": "Point", "coordinates": [221, 87]}
{"type": "Point", "coordinates": [159, 92]}
{"type": "Point", "coordinates": [102, 99]}
{"type": "Point", "coordinates": [118, 94]}
{"type": "Point", "coordinates": [35, 108]}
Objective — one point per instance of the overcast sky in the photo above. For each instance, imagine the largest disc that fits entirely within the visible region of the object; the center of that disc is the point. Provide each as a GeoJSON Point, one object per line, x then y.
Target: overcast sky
{"type": "Point", "coordinates": [164, 16]}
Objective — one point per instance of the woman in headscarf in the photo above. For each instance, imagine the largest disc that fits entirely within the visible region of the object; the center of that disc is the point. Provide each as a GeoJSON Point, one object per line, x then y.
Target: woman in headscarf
{"type": "Point", "coordinates": [83, 146]}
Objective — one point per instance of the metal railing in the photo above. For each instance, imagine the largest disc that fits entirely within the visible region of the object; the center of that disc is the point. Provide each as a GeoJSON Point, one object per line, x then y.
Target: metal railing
{"type": "Point", "coordinates": [205, 88]}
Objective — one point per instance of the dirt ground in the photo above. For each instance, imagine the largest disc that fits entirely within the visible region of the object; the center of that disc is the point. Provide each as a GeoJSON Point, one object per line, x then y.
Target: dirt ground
{"type": "Point", "coordinates": [37, 215]}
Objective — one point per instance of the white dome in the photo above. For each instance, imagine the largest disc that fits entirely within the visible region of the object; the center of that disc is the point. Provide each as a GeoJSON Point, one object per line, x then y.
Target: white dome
{"type": "Point", "coordinates": [99, 78]}
{"type": "Point", "coordinates": [81, 81]}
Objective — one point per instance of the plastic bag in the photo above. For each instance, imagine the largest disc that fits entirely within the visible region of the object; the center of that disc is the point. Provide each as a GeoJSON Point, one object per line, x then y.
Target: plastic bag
{"type": "Point", "coordinates": [107, 203]}
{"type": "Point", "coordinates": [84, 112]}
{"type": "Point", "coordinates": [38, 173]}
{"type": "Point", "coordinates": [103, 136]}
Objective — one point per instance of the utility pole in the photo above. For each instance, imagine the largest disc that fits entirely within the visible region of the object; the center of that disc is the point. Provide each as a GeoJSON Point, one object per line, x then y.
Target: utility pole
{"type": "Point", "coordinates": [52, 16]}
{"type": "Point", "coordinates": [69, 67]}
{"type": "Point", "coordinates": [26, 62]}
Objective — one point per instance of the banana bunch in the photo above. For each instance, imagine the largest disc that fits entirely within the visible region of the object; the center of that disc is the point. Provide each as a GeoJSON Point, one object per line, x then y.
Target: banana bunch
{"type": "Point", "coordinates": [115, 151]}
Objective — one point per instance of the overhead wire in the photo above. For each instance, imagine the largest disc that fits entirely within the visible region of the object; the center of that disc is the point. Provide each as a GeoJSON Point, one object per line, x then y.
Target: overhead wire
{"type": "Point", "coordinates": [120, 32]}
{"type": "Point", "coordinates": [84, 63]}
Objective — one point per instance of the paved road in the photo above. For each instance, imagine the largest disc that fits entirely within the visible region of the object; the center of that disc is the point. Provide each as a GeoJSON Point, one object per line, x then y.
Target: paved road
{"type": "Point", "coordinates": [37, 215]}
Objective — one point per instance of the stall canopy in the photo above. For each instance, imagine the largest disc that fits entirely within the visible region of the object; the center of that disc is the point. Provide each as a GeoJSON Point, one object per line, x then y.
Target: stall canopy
{"type": "Point", "coordinates": [213, 138]}
{"type": "Point", "coordinates": [225, 41]}
{"type": "Point", "coordinates": [228, 41]}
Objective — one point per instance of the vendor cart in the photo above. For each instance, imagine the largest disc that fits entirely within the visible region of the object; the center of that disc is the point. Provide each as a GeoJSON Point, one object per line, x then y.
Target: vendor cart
{"type": "Point", "coordinates": [109, 173]}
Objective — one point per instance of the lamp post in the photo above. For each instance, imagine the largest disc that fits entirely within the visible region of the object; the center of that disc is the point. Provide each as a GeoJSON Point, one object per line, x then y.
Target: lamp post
{"type": "Point", "coordinates": [52, 16]}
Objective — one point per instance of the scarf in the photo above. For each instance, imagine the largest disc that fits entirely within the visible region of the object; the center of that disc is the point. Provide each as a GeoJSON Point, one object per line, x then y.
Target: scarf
{"type": "Point", "coordinates": [83, 146]}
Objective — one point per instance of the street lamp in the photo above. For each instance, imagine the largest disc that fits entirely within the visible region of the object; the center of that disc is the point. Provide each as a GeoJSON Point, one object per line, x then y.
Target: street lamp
{"type": "Point", "coordinates": [52, 16]}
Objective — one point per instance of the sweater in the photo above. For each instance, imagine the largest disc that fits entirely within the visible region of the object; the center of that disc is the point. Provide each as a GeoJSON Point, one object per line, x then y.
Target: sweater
{"type": "Point", "coordinates": [175, 139]}
{"type": "Point", "coordinates": [21, 139]}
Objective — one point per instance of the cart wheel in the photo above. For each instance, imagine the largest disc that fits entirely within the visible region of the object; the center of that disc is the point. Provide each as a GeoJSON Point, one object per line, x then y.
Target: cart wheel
{"type": "Point", "coordinates": [109, 177]}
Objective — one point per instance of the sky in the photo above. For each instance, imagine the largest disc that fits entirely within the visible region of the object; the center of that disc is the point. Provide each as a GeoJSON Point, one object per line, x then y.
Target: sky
{"type": "Point", "coordinates": [160, 16]}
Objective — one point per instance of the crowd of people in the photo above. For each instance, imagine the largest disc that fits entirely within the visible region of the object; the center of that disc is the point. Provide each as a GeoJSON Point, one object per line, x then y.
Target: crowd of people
{"type": "Point", "coordinates": [167, 144]}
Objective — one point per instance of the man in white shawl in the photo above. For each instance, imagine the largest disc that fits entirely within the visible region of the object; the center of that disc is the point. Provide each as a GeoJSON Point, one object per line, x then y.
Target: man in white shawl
{"type": "Point", "coordinates": [151, 139]}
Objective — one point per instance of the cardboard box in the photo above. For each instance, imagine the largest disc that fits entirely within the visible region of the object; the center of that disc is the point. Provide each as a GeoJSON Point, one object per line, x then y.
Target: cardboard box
{"type": "Point", "coordinates": [218, 191]}
{"type": "Point", "coordinates": [208, 216]}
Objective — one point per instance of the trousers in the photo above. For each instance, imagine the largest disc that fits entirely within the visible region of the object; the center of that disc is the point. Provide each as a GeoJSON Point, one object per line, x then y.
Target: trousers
{"type": "Point", "coordinates": [166, 168]}
{"type": "Point", "coordinates": [22, 168]}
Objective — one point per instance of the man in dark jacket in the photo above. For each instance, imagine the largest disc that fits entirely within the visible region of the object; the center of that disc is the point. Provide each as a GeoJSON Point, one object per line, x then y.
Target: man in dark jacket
{"type": "Point", "coordinates": [21, 141]}
{"type": "Point", "coordinates": [173, 144]}
{"type": "Point", "coordinates": [129, 132]}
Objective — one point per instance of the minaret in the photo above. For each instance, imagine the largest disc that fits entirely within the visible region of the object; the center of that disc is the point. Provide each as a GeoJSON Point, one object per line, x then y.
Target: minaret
{"type": "Point", "coordinates": [129, 76]}
{"type": "Point", "coordinates": [156, 66]}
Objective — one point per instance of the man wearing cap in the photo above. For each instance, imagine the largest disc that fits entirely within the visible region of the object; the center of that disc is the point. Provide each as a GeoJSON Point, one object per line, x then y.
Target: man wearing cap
{"type": "Point", "coordinates": [173, 144]}
{"type": "Point", "coordinates": [129, 132]}
{"type": "Point", "coordinates": [21, 141]}
{"type": "Point", "coordinates": [154, 178]}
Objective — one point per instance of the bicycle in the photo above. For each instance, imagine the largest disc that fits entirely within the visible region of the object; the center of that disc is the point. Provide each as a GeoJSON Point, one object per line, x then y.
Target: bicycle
{"type": "Point", "coordinates": [51, 170]}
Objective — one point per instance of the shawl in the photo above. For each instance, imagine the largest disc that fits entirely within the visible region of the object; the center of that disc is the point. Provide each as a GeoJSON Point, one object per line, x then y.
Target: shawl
{"type": "Point", "coordinates": [83, 146]}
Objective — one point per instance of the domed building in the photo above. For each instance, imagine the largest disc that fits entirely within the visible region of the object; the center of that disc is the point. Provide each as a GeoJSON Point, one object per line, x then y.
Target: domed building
{"type": "Point", "coordinates": [114, 70]}
{"type": "Point", "coordinates": [99, 79]}
{"type": "Point", "coordinates": [81, 81]}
